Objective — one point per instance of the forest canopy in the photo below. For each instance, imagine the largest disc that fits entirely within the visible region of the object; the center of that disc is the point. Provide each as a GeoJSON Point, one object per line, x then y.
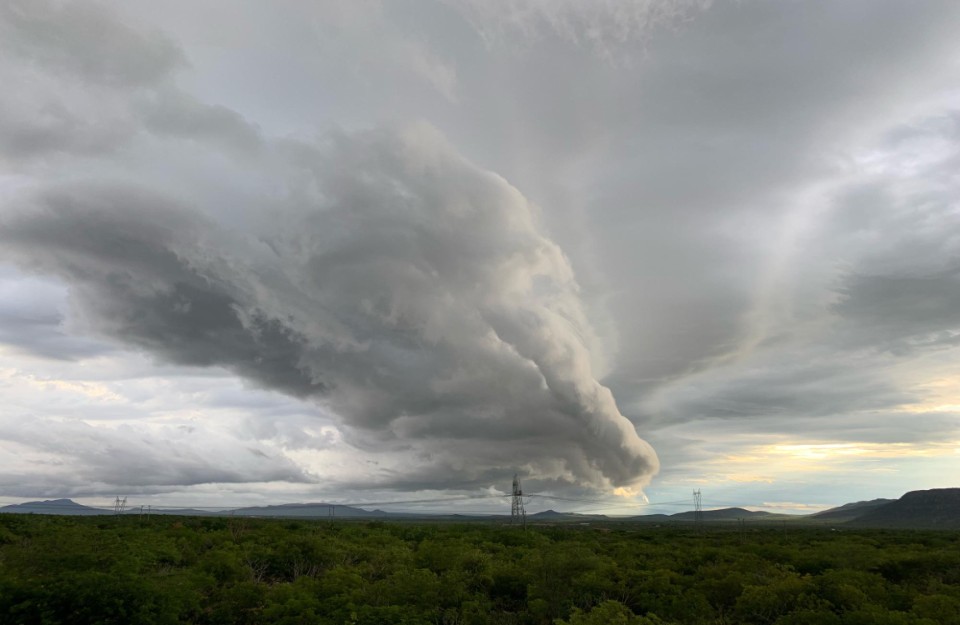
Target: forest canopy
{"type": "Point", "coordinates": [168, 570]}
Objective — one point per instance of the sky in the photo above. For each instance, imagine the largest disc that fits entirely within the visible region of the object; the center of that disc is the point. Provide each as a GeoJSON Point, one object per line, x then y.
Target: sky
{"type": "Point", "coordinates": [401, 250]}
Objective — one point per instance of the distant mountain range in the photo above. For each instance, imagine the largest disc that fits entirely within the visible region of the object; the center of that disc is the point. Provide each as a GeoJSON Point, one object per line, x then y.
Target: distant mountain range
{"type": "Point", "coordinates": [731, 514]}
{"type": "Point", "coordinates": [55, 506]}
{"type": "Point", "coordinates": [922, 509]}
{"type": "Point", "coordinates": [925, 509]}
{"type": "Point", "coordinates": [850, 511]}
{"type": "Point", "coordinates": [310, 510]}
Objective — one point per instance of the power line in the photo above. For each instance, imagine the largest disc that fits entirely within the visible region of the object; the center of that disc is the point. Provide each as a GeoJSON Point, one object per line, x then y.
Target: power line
{"type": "Point", "coordinates": [111, 507]}
{"type": "Point", "coordinates": [228, 507]}
{"type": "Point", "coordinates": [120, 505]}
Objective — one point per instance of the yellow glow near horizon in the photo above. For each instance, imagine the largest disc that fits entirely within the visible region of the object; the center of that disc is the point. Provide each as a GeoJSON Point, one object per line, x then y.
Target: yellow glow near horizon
{"type": "Point", "coordinates": [942, 395]}
{"type": "Point", "coordinates": [923, 408]}
{"type": "Point", "coordinates": [746, 478]}
{"type": "Point", "coordinates": [819, 451]}
{"type": "Point", "coordinates": [770, 463]}
{"type": "Point", "coordinates": [840, 451]}
{"type": "Point", "coordinates": [836, 451]}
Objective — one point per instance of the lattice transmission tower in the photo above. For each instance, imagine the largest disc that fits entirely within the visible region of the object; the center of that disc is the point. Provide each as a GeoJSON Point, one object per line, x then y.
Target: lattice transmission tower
{"type": "Point", "coordinates": [697, 510]}
{"type": "Point", "coordinates": [517, 514]}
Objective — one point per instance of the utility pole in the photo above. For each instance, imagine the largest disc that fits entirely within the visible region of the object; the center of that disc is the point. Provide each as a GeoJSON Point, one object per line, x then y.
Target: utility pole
{"type": "Point", "coordinates": [517, 513]}
{"type": "Point", "coordinates": [698, 510]}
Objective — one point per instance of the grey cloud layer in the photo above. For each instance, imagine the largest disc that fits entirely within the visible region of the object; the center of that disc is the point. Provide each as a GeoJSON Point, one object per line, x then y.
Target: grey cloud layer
{"type": "Point", "coordinates": [759, 201]}
{"type": "Point", "coordinates": [84, 40]}
{"type": "Point", "coordinates": [406, 288]}
{"type": "Point", "coordinates": [69, 456]}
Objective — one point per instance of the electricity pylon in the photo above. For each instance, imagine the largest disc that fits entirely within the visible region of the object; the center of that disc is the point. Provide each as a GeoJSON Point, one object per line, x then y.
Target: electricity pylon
{"type": "Point", "coordinates": [517, 513]}
{"type": "Point", "coordinates": [697, 510]}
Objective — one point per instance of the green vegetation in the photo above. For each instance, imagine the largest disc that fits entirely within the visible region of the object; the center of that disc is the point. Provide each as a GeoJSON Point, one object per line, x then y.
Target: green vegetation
{"type": "Point", "coordinates": [80, 570]}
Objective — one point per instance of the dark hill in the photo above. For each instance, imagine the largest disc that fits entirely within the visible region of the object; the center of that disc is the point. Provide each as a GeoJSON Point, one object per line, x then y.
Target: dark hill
{"type": "Point", "coordinates": [938, 508]}
{"type": "Point", "coordinates": [308, 510]}
{"type": "Point", "coordinates": [725, 514]}
{"type": "Point", "coordinates": [54, 506]}
{"type": "Point", "coordinates": [553, 515]}
{"type": "Point", "coordinates": [651, 518]}
{"type": "Point", "coordinates": [547, 514]}
{"type": "Point", "coordinates": [849, 511]}
{"type": "Point", "coordinates": [150, 510]}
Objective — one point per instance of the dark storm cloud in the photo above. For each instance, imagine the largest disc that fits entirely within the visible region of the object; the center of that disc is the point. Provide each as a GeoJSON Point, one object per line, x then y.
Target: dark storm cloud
{"type": "Point", "coordinates": [127, 254]}
{"type": "Point", "coordinates": [177, 114]}
{"type": "Point", "coordinates": [903, 313]}
{"type": "Point", "coordinates": [403, 286]}
{"type": "Point", "coordinates": [60, 130]}
{"type": "Point", "coordinates": [807, 386]}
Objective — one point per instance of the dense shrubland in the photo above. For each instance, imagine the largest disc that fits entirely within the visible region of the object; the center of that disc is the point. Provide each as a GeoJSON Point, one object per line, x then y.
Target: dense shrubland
{"type": "Point", "coordinates": [81, 570]}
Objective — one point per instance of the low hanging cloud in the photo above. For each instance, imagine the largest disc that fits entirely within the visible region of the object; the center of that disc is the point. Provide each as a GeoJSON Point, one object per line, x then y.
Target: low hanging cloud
{"type": "Point", "coordinates": [72, 457]}
{"type": "Point", "coordinates": [406, 290]}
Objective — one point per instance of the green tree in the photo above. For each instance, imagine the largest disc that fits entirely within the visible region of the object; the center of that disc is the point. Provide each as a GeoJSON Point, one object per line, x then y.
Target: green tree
{"type": "Point", "coordinates": [609, 613]}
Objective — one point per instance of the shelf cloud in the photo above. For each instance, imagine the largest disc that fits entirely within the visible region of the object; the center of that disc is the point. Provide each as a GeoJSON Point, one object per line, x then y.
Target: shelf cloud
{"type": "Point", "coordinates": [410, 292]}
